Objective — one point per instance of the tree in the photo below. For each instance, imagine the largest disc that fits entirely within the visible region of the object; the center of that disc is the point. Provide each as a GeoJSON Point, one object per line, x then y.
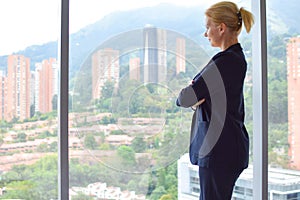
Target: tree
{"type": "Point", "coordinates": [127, 154]}
{"type": "Point", "coordinates": [21, 137]}
{"type": "Point", "coordinates": [42, 147]}
{"type": "Point", "coordinates": [90, 142]}
{"type": "Point", "coordinates": [18, 190]}
{"type": "Point", "coordinates": [107, 90]}
{"type": "Point", "coordinates": [37, 181]}
{"type": "Point", "coordinates": [162, 177]}
{"type": "Point", "coordinates": [44, 134]}
{"type": "Point", "coordinates": [116, 132]}
{"type": "Point", "coordinates": [108, 120]}
{"type": "Point", "coordinates": [54, 102]}
{"type": "Point", "coordinates": [158, 193]}
{"type": "Point", "coordinates": [82, 197]}
{"type": "Point", "coordinates": [170, 181]}
{"type": "Point", "coordinates": [32, 110]}
{"type": "Point", "coordinates": [138, 144]}
{"type": "Point", "coordinates": [104, 146]}
{"type": "Point", "coordinates": [132, 185]}
{"type": "Point", "coordinates": [53, 147]}
{"type": "Point", "coordinates": [166, 197]}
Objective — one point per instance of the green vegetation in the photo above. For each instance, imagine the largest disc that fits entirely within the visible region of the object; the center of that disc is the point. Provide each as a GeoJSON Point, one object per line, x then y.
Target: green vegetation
{"type": "Point", "coordinates": [138, 144]}
{"type": "Point", "coordinates": [90, 142]}
{"type": "Point", "coordinates": [39, 181]}
{"type": "Point", "coordinates": [127, 155]}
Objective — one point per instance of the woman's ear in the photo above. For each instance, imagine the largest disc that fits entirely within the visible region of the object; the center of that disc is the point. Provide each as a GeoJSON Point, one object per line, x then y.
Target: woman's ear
{"type": "Point", "coordinates": [222, 27]}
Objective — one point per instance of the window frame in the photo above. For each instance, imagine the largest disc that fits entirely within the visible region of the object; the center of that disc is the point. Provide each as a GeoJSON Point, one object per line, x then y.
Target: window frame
{"type": "Point", "coordinates": [260, 106]}
{"type": "Point", "coordinates": [63, 102]}
{"type": "Point", "coordinates": [260, 101]}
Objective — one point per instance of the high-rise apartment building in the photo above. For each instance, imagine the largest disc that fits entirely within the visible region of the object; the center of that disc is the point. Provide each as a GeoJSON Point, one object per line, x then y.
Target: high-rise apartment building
{"type": "Point", "coordinates": [180, 55]}
{"type": "Point", "coordinates": [135, 69]}
{"type": "Point", "coordinates": [293, 78]}
{"type": "Point", "coordinates": [3, 91]}
{"type": "Point", "coordinates": [46, 85]}
{"type": "Point", "coordinates": [105, 67]}
{"type": "Point", "coordinates": [17, 96]}
{"type": "Point", "coordinates": [155, 55]}
{"type": "Point", "coordinates": [32, 87]}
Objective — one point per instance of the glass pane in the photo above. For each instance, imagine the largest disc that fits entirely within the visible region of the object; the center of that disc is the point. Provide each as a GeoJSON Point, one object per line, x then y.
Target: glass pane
{"type": "Point", "coordinates": [284, 96]}
{"type": "Point", "coordinates": [127, 65]}
{"type": "Point", "coordinates": [28, 106]}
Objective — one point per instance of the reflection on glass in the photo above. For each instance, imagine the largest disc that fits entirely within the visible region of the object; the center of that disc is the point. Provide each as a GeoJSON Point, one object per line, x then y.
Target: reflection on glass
{"type": "Point", "coordinates": [127, 138]}
{"type": "Point", "coordinates": [124, 119]}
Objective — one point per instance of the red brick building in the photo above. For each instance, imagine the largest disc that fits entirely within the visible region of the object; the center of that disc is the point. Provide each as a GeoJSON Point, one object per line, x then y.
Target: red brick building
{"type": "Point", "coordinates": [293, 78]}
{"type": "Point", "coordinates": [46, 85]}
{"type": "Point", "coordinates": [17, 88]}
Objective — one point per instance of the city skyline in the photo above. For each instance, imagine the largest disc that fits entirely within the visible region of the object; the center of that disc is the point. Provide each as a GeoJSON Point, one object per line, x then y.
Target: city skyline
{"type": "Point", "coordinates": [30, 147]}
{"type": "Point", "coordinates": [21, 88]}
{"type": "Point", "coordinates": [146, 65]}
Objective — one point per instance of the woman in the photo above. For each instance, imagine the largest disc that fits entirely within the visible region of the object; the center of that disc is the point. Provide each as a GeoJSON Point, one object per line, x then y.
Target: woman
{"type": "Point", "coordinates": [219, 140]}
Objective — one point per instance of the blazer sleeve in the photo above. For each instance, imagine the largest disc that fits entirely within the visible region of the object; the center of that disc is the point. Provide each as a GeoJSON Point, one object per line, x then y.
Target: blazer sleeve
{"type": "Point", "coordinates": [193, 93]}
{"type": "Point", "coordinates": [187, 97]}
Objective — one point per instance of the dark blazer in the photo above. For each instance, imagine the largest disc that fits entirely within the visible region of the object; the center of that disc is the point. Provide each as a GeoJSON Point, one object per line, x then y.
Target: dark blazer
{"type": "Point", "coordinates": [218, 134]}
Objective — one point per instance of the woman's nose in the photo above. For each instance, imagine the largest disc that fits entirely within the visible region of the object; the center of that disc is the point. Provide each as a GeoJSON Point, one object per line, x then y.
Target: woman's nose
{"type": "Point", "coordinates": [205, 34]}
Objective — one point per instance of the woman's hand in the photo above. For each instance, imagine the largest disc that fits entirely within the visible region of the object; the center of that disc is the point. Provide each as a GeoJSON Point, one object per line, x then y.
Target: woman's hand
{"type": "Point", "coordinates": [197, 104]}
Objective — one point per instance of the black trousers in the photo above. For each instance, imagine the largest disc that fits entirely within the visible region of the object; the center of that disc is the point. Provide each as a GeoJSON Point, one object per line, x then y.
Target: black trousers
{"type": "Point", "coordinates": [217, 183]}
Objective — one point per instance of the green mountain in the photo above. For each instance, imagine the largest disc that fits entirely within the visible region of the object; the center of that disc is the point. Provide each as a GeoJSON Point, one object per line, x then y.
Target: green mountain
{"type": "Point", "coordinates": [188, 21]}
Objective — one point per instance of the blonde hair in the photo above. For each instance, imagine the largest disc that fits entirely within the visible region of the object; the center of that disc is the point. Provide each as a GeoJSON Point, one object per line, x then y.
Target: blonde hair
{"type": "Point", "coordinates": [228, 13]}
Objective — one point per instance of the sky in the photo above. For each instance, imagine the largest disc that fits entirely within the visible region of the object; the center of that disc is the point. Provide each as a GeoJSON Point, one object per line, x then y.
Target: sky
{"type": "Point", "coordinates": [33, 22]}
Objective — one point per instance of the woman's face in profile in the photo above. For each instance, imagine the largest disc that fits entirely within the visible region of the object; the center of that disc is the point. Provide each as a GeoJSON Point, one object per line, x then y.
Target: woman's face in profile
{"type": "Point", "coordinates": [212, 32]}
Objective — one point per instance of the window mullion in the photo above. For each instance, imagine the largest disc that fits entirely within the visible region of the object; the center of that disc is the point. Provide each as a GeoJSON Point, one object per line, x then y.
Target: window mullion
{"type": "Point", "coordinates": [63, 154]}
{"type": "Point", "coordinates": [260, 102]}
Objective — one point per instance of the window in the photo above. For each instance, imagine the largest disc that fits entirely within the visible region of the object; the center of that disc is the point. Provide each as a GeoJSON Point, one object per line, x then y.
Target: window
{"type": "Point", "coordinates": [125, 74]}
{"type": "Point", "coordinates": [104, 141]}
{"type": "Point", "coordinates": [283, 109]}
{"type": "Point", "coordinates": [28, 65]}
{"type": "Point", "coordinates": [125, 77]}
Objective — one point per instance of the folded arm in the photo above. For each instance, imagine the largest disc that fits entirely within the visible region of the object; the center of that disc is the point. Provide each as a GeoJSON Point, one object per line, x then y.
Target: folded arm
{"type": "Point", "coordinates": [188, 98]}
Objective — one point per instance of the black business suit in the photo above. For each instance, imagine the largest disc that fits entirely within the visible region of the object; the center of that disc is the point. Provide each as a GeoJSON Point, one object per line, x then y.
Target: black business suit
{"type": "Point", "coordinates": [218, 123]}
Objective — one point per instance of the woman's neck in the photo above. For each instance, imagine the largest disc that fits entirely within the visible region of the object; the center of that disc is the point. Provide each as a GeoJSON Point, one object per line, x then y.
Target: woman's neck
{"type": "Point", "coordinates": [228, 43]}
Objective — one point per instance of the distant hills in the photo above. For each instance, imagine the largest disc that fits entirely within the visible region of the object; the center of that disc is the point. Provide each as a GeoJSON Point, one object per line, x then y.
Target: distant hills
{"type": "Point", "coordinates": [188, 21]}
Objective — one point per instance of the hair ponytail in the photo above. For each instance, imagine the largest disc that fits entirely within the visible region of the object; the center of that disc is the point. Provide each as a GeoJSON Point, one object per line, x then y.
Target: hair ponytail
{"type": "Point", "coordinates": [247, 18]}
{"type": "Point", "coordinates": [228, 13]}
